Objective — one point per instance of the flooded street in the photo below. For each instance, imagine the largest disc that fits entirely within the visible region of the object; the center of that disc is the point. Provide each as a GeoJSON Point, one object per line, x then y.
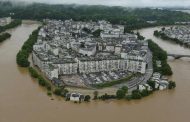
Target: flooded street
{"type": "Point", "coordinates": [23, 100]}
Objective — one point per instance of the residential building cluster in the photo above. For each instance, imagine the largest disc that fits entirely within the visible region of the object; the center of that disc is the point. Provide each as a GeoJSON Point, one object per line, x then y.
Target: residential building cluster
{"type": "Point", "coordinates": [161, 83]}
{"type": "Point", "coordinates": [5, 21]}
{"type": "Point", "coordinates": [69, 47]}
{"type": "Point", "coordinates": [182, 33]}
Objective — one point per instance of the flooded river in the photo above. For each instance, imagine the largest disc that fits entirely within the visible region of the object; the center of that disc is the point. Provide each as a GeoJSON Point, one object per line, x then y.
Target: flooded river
{"type": "Point", "coordinates": [22, 100]}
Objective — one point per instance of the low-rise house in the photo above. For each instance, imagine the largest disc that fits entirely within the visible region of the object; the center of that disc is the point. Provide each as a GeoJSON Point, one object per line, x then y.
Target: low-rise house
{"type": "Point", "coordinates": [76, 97]}
{"type": "Point", "coordinates": [141, 87]}
{"type": "Point", "coordinates": [5, 21]}
{"type": "Point", "coordinates": [149, 88]}
{"type": "Point", "coordinates": [159, 63]}
{"type": "Point", "coordinates": [145, 87]}
{"type": "Point", "coordinates": [156, 85]}
{"type": "Point", "coordinates": [162, 87]}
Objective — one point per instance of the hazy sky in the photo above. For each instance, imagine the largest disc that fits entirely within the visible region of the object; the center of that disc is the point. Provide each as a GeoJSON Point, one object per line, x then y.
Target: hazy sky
{"type": "Point", "coordinates": [138, 3]}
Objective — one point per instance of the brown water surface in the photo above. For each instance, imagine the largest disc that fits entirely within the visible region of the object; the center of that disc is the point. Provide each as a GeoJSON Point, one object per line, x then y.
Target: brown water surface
{"type": "Point", "coordinates": [22, 100]}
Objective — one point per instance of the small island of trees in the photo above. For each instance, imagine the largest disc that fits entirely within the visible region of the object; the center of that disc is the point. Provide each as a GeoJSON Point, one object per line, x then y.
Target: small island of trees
{"type": "Point", "coordinates": [4, 36]}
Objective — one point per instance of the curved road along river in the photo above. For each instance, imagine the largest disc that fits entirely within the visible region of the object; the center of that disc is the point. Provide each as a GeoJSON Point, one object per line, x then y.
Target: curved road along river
{"type": "Point", "coordinates": [22, 100]}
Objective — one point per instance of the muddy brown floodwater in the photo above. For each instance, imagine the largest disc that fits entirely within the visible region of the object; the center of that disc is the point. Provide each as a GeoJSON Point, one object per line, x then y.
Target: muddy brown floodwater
{"type": "Point", "coordinates": [22, 100]}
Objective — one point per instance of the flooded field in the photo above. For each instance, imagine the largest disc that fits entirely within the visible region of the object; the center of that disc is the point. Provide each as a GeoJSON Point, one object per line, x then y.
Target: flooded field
{"type": "Point", "coordinates": [23, 100]}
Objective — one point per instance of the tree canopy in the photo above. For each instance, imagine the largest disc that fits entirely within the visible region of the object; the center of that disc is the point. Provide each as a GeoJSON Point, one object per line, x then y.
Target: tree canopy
{"type": "Point", "coordinates": [132, 18]}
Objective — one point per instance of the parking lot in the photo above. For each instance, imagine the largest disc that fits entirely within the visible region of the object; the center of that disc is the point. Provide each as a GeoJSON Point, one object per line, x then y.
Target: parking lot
{"type": "Point", "coordinates": [82, 80]}
{"type": "Point", "coordinates": [103, 77]}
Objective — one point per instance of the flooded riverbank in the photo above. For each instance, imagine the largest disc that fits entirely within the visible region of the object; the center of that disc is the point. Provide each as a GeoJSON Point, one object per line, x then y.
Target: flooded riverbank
{"type": "Point", "coordinates": [23, 100]}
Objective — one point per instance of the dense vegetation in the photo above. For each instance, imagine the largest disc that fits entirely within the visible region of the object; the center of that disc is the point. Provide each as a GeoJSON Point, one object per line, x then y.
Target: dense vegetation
{"type": "Point", "coordinates": [43, 82]}
{"type": "Point", "coordinates": [13, 24]}
{"type": "Point", "coordinates": [122, 92]}
{"type": "Point", "coordinates": [61, 91]}
{"type": "Point", "coordinates": [161, 55]}
{"type": "Point", "coordinates": [4, 36]}
{"type": "Point", "coordinates": [132, 18]}
{"type": "Point", "coordinates": [172, 85]}
{"type": "Point", "coordinates": [33, 72]}
{"type": "Point", "coordinates": [140, 37]}
{"type": "Point", "coordinates": [87, 98]}
{"type": "Point", "coordinates": [163, 36]}
{"type": "Point", "coordinates": [23, 54]}
{"type": "Point", "coordinates": [96, 33]}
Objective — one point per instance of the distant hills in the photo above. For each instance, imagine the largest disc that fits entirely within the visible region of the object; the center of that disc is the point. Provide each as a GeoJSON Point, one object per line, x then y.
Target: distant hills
{"type": "Point", "coordinates": [133, 18]}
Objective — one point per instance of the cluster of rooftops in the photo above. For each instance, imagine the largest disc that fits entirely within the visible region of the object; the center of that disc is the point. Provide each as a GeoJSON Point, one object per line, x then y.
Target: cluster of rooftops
{"type": "Point", "coordinates": [179, 32]}
{"type": "Point", "coordinates": [58, 35]}
{"type": "Point", "coordinates": [70, 42]}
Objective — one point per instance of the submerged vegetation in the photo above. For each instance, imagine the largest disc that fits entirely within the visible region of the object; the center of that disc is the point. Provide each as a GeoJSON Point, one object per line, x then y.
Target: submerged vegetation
{"type": "Point", "coordinates": [13, 24]}
{"type": "Point", "coordinates": [23, 54]}
{"type": "Point", "coordinates": [42, 81]}
{"type": "Point", "coordinates": [133, 19]}
{"type": "Point", "coordinates": [4, 36]}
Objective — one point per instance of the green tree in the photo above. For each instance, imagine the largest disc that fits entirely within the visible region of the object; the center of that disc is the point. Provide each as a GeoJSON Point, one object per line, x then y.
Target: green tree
{"type": "Point", "coordinates": [172, 85]}
{"type": "Point", "coordinates": [48, 86]}
{"type": "Point", "coordinates": [33, 72]}
{"type": "Point", "coordinates": [163, 29]}
{"type": "Point", "coordinates": [151, 83]}
{"type": "Point", "coordinates": [120, 94]}
{"type": "Point", "coordinates": [87, 98]}
{"type": "Point", "coordinates": [23, 54]}
{"type": "Point", "coordinates": [41, 81]}
{"type": "Point", "coordinates": [136, 94]}
{"type": "Point", "coordinates": [4, 36]}
{"type": "Point", "coordinates": [125, 88]}
{"type": "Point", "coordinates": [57, 91]}
{"type": "Point", "coordinates": [13, 24]}
{"type": "Point", "coordinates": [140, 37]}
{"type": "Point", "coordinates": [22, 59]}
{"type": "Point", "coordinates": [64, 92]}
{"type": "Point", "coordinates": [97, 33]}
{"type": "Point", "coordinates": [86, 30]}
{"type": "Point", "coordinates": [145, 93]}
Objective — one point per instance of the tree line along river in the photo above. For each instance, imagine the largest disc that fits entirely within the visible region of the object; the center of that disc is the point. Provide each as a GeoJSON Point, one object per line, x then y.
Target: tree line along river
{"type": "Point", "coordinates": [22, 100]}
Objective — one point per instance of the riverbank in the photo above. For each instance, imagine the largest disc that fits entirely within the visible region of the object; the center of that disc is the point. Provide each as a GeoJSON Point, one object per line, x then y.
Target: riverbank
{"type": "Point", "coordinates": [162, 35]}
{"type": "Point", "coordinates": [23, 100]}
{"type": "Point", "coordinates": [26, 50]}
{"type": "Point", "coordinates": [4, 36]}
{"type": "Point", "coordinates": [159, 59]}
{"type": "Point", "coordinates": [13, 24]}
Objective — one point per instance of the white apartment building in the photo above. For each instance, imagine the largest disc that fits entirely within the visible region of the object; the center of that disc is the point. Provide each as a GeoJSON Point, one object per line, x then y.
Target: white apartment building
{"type": "Point", "coordinates": [5, 21]}
{"type": "Point", "coordinates": [88, 66]}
